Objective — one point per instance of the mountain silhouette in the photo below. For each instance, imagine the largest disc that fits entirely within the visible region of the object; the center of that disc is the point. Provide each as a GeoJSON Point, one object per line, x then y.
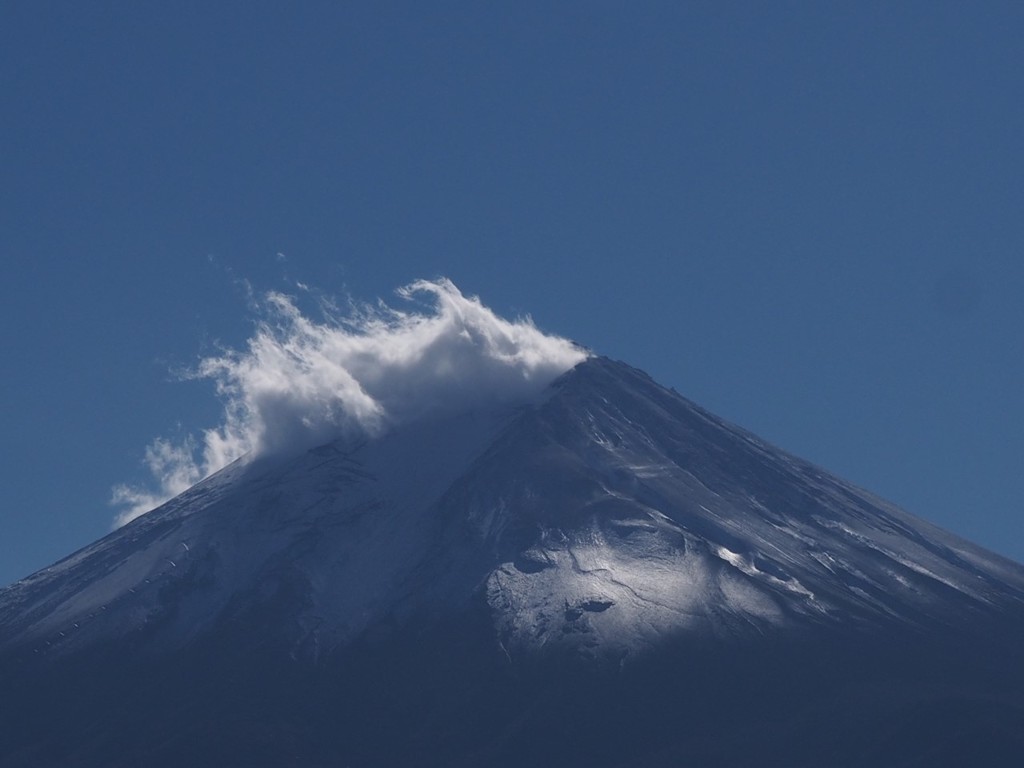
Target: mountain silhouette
{"type": "Point", "coordinates": [607, 575]}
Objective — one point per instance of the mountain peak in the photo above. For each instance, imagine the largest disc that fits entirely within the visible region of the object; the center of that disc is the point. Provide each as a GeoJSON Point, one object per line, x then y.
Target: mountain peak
{"type": "Point", "coordinates": [604, 517]}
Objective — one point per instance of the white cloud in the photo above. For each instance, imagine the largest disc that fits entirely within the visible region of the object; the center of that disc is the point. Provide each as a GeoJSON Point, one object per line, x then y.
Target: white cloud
{"type": "Point", "coordinates": [300, 382]}
{"type": "Point", "coordinates": [175, 469]}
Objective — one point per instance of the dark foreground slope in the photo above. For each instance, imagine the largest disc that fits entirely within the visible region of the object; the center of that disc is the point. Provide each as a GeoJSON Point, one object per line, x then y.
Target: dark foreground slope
{"type": "Point", "coordinates": [444, 700]}
{"type": "Point", "coordinates": [609, 577]}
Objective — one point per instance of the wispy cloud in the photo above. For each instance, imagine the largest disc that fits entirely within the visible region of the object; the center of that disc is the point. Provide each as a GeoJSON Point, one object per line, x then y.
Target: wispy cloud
{"type": "Point", "coordinates": [300, 382]}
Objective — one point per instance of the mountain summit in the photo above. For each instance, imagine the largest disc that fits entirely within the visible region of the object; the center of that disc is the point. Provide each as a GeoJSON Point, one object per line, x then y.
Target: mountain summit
{"type": "Point", "coordinates": [603, 574]}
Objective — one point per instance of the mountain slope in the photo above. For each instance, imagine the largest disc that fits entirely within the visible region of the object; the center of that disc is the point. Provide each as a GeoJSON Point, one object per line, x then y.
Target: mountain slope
{"type": "Point", "coordinates": [648, 514]}
{"type": "Point", "coordinates": [606, 575]}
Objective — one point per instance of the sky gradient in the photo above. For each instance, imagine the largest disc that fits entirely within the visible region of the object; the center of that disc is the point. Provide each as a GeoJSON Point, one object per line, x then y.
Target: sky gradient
{"type": "Point", "coordinates": [804, 216]}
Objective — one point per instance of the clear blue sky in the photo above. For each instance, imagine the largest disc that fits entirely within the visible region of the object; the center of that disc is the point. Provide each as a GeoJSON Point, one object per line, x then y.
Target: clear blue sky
{"type": "Point", "coordinates": [805, 216]}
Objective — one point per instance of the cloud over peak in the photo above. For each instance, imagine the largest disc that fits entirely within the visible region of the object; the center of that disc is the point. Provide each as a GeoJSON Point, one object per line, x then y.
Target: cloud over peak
{"type": "Point", "coordinates": [300, 382]}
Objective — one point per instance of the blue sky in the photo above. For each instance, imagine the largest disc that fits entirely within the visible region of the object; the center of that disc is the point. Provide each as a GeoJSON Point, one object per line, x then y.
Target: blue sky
{"type": "Point", "coordinates": [804, 216]}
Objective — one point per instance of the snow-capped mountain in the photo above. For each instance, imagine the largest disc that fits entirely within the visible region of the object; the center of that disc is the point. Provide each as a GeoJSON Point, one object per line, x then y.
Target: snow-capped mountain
{"type": "Point", "coordinates": [609, 524]}
{"type": "Point", "coordinates": [607, 516]}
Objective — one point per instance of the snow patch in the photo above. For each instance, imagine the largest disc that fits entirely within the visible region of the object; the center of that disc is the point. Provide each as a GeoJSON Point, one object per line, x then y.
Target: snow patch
{"type": "Point", "coordinates": [743, 564]}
